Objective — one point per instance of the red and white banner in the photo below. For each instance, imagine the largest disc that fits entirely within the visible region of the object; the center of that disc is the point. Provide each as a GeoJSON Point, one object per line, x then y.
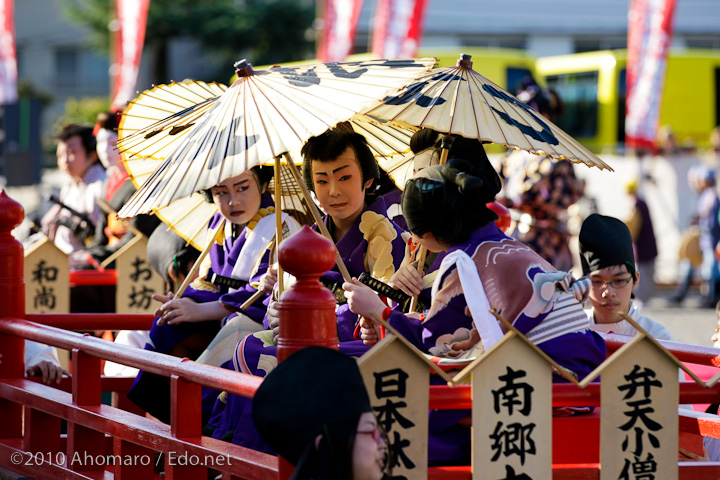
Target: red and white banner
{"type": "Point", "coordinates": [650, 29]}
{"type": "Point", "coordinates": [132, 19]}
{"type": "Point", "coordinates": [398, 28]}
{"type": "Point", "coordinates": [339, 25]}
{"type": "Point", "coordinates": [8, 58]}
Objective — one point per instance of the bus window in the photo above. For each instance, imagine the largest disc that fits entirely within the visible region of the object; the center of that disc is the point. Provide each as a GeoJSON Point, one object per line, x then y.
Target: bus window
{"type": "Point", "coordinates": [515, 76]}
{"type": "Point", "coordinates": [578, 92]}
{"type": "Point", "coordinates": [621, 107]}
{"type": "Point", "coordinates": [717, 96]}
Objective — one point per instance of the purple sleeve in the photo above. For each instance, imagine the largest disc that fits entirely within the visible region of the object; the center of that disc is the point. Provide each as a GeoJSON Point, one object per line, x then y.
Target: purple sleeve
{"type": "Point", "coordinates": [234, 300]}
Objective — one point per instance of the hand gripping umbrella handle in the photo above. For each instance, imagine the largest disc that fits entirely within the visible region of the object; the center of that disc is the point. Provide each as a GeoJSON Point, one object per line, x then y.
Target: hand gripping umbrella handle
{"type": "Point", "coordinates": [195, 267]}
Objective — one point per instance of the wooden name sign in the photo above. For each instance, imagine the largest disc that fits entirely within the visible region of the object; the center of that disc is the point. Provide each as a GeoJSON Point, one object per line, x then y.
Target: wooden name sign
{"type": "Point", "coordinates": [137, 282]}
{"type": "Point", "coordinates": [397, 382]}
{"type": "Point", "coordinates": [47, 271]}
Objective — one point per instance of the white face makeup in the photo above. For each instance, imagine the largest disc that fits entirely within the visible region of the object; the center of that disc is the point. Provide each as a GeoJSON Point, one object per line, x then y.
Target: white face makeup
{"type": "Point", "coordinates": [106, 141]}
{"type": "Point", "coordinates": [426, 158]}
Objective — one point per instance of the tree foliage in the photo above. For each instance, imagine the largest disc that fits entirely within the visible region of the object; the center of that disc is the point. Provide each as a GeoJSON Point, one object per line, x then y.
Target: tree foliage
{"type": "Point", "coordinates": [264, 31]}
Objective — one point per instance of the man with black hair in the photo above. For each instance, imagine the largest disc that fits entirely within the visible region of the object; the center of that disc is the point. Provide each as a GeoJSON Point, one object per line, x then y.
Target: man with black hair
{"type": "Point", "coordinates": [71, 221]}
{"type": "Point", "coordinates": [606, 255]}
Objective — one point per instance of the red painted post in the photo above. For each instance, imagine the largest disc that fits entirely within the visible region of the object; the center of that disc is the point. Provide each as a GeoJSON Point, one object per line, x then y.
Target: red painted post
{"type": "Point", "coordinates": [135, 462]}
{"type": "Point", "coordinates": [42, 434]}
{"type": "Point", "coordinates": [12, 304]}
{"type": "Point", "coordinates": [307, 310]}
{"type": "Point", "coordinates": [185, 408]}
{"type": "Point", "coordinates": [85, 446]}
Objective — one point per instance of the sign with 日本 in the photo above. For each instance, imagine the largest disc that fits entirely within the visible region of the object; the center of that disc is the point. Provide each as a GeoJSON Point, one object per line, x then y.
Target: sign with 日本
{"type": "Point", "coordinates": [397, 382]}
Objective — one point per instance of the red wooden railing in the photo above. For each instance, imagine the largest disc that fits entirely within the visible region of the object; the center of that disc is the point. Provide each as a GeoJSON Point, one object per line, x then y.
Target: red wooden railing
{"type": "Point", "coordinates": [31, 442]}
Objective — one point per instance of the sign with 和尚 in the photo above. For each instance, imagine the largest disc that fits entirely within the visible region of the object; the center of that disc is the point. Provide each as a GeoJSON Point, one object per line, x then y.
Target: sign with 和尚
{"type": "Point", "coordinates": [47, 272]}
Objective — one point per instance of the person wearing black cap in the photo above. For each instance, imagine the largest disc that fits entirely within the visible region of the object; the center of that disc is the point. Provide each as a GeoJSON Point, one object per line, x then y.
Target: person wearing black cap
{"type": "Point", "coordinates": [606, 255]}
{"type": "Point", "coordinates": [326, 429]}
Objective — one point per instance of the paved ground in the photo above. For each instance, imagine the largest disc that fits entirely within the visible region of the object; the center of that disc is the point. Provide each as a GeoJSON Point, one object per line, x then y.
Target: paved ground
{"type": "Point", "coordinates": [688, 323]}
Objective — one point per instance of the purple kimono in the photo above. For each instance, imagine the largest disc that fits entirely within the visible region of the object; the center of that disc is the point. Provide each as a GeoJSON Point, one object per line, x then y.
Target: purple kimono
{"type": "Point", "coordinates": [151, 391]}
{"type": "Point", "coordinates": [544, 304]}
{"type": "Point", "coordinates": [256, 354]}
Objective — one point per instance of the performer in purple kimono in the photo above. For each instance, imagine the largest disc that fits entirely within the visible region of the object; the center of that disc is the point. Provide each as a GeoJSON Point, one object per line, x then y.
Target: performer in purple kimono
{"type": "Point", "coordinates": [483, 269]}
{"type": "Point", "coordinates": [427, 145]}
{"type": "Point", "coordinates": [207, 322]}
{"type": "Point", "coordinates": [340, 168]}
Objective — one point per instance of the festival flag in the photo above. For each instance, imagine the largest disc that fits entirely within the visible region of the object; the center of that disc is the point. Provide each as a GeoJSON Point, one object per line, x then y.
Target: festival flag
{"type": "Point", "coordinates": [8, 59]}
{"type": "Point", "coordinates": [132, 19]}
{"type": "Point", "coordinates": [398, 28]}
{"type": "Point", "coordinates": [339, 25]}
{"type": "Point", "coordinates": [650, 28]}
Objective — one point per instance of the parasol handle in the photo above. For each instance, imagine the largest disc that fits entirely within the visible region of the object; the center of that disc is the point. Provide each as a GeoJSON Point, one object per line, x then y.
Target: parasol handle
{"type": "Point", "coordinates": [255, 297]}
{"type": "Point", "coordinates": [318, 218]}
{"type": "Point", "coordinates": [422, 251]}
{"type": "Point", "coordinates": [278, 221]}
{"type": "Point", "coordinates": [200, 259]}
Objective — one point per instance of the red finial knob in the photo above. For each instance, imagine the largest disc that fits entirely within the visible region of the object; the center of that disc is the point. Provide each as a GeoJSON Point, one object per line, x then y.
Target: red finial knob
{"type": "Point", "coordinates": [11, 213]}
{"type": "Point", "coordinates": [243, 68]}
{"type": "Point", "coordinates": [307, 253]}
{"type": "Point", "coordinates": [465, 62]}
{"type": "Point", "coordinates": [307, 310]}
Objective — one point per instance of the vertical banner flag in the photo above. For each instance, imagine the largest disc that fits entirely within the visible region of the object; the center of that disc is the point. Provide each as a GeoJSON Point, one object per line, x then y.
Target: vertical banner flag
{"type": "Point", "coordinates": [649, 33]}
{"type": "Point", "coordinates": [8, 60]}
{"type": "Point", "coordinates": [398, 28]}
{"type": "Point", "coordinates": [132, 18]}
{"type": "Point", "coordinates": [339, 25]}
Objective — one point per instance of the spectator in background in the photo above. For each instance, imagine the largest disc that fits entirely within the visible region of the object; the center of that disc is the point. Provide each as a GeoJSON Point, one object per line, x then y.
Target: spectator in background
{"type": "Point", "coordinates": [667, 143]}
{"type": "Point", "coordinates": [689, 252]}
{"type": "Point", "coordinates": [42, 360]}
{"type": "Point", "coordinates": [541, 187]}
{"type": "Point", "coordinates": [707, 212]}
{"type": "Point", "coordinates": [70, 223]}
{"type": "Point", "coordinates": [111, 233]}
{"type": "Point", "coordinates": [643, 241]}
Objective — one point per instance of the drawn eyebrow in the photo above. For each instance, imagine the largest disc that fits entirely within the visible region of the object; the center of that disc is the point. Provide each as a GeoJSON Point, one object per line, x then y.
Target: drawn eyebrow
{"type": "Point", "coordinates": [241, 182]}
{"type": "Point", "coordinates": [334, 171]}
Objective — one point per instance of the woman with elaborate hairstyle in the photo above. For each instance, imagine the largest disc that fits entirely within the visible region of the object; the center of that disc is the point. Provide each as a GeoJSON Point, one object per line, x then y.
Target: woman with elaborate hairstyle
{"type": "Point", "coordinates": [483, 269]}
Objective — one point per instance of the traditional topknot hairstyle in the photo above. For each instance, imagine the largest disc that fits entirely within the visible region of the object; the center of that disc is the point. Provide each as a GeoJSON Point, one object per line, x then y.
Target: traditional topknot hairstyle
{"type": "Point", "coordinates": [449, 201]}
{"type": "Point", "coordinates": [262, 173]}
{"type": "Point", "coordinates": [468, 149]}
{"type": "Point", "coordinates": [330, 145]}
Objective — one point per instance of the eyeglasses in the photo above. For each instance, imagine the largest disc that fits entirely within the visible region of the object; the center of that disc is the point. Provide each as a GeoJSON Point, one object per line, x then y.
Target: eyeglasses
{"type": "Point", "coordinates": [376, 434]}
{"type": "Point", "coordinates": [615, 283]}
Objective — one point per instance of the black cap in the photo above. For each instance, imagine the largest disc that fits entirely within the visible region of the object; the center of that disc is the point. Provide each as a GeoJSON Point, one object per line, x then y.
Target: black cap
{"type": "Point", "coordinates": [315, 386]}
{"type": "Point", "coordinates": [605, 242]}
